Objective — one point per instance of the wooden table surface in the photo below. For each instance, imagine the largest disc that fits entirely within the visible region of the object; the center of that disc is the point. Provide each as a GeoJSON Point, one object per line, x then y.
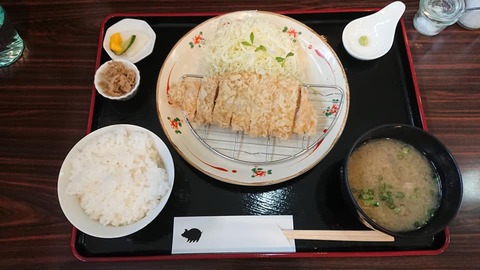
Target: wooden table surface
{"type": "Point", "coordinates": [44, 106]}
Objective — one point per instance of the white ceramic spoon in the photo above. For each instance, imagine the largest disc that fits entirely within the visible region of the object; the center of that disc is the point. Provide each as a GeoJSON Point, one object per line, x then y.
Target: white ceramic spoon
{"type": "Point", "coordinates": [371, 37]}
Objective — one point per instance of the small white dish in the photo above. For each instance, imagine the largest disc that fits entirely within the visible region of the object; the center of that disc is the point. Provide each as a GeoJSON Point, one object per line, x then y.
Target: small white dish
{"type": "Point", "coordinates": [98, 79]}
{"type": "Point", "coordinates": [372, 36]}
{"type": "Point", "coordinates": [70, 204]}
{"type": "Point", "coordinates": [144, 41]}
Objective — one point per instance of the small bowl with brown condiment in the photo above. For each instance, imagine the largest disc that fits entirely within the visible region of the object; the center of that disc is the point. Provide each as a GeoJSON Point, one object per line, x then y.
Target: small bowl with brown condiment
{"type": "Point", "coordinates": [117, 79]}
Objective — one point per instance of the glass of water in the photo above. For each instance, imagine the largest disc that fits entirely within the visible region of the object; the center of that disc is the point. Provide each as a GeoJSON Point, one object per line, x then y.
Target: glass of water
{"type": "Point", "coordinates": [11, 44]}
{"type": "Point", "coordinates": [435, 15]}
{"type": "Point", "coordinates": [471, 18]}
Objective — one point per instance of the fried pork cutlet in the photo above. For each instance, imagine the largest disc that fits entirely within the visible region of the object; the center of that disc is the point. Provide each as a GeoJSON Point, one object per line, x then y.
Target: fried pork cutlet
{"type": "Point", "coordinates": [260, 117]}
{"type": "Point", "coordinates": [258, 105]}
{"type": "Point", "coordinates": [184, 94]}
{"type": "Point", "coordinates": [224, 103]}
{"type": "Point", "coordinates": [284, 105]}
{"type": "Point", "coordinates": [305, 120]}
{"type": "Point", "coordinates": [206, 100]}
{"type": "Point", "coordinates": [244, 102]}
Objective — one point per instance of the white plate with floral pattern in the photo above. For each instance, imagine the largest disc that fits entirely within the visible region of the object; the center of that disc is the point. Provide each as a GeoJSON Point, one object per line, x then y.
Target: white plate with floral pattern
{"type": "Point", "coordinates": [323, 67]}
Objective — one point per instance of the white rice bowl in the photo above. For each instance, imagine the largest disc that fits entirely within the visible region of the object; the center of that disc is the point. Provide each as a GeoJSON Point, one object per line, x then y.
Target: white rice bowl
{"type": "Point", "coordinates": [115, 181]}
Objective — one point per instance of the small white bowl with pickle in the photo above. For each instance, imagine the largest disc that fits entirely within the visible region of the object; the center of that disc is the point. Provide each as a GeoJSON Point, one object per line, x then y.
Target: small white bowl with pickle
{"type": "Point", "coordinates": [129, 39]}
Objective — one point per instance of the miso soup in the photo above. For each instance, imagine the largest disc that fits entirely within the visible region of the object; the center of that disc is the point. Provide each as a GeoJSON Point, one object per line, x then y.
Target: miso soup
{"type": "Point", "coordinates": [394, 184]}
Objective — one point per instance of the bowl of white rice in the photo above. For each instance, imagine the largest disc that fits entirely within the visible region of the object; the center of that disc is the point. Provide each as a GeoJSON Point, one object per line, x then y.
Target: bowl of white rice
{"type": "Point", "coordinates": [115, 181]}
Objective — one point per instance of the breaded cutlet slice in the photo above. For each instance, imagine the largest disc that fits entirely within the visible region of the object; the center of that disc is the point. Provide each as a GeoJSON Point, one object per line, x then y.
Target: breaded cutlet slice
{"type": "Point", "coordinates": [190, 98]}
{"type": "Point", "coordinates": [176, 92]}
{"type": "Point", "coordinates": [206, 99]}
{"type": "Point", "coordinates": [224, 102]}
{"type": "Point", "coordinates": [284, 105]}
{"type": "Point", "coordinates": [246, 93]}
{"type": "Point", "coordinates": [305, 118]}
{"type": "Point", "coordinates": [260, 118]}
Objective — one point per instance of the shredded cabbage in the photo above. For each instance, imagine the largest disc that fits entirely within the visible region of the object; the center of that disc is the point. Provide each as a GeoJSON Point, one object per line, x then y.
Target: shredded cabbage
{"type": "Point", "coordinates": [252, 45]}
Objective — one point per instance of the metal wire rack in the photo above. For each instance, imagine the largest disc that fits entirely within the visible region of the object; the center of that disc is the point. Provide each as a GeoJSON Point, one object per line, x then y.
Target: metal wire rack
{"type": "Point", "coordinates": [237, 146]}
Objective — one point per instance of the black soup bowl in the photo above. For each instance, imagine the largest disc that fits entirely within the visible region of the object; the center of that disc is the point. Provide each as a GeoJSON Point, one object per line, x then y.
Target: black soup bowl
{"type": "Point", "coordinates": [442, 161]}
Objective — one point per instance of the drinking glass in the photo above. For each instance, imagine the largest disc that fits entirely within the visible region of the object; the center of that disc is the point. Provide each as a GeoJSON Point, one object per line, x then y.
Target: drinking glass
{"type": "Point", "coordinates": [11, 44]}
{"type": "Point", "coordinates": [471, 18]}
{"type": "Point", "coordinates": [435, 15]}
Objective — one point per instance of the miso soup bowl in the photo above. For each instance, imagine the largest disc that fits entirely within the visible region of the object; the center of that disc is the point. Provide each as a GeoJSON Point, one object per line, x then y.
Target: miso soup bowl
{"type": "Point", "coordinates": [441, 158]}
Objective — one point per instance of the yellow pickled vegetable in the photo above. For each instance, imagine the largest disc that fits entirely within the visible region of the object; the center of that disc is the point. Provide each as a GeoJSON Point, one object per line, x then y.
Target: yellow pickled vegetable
{"type": "Point", "coordinates": [118, 46]}
{"type": "Point", "coordinates": [116, 43]}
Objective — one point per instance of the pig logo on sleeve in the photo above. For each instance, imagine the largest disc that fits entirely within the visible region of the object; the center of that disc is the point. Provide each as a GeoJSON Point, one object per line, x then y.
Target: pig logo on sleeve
{"type": "Point", "coordinates": [192, 235]}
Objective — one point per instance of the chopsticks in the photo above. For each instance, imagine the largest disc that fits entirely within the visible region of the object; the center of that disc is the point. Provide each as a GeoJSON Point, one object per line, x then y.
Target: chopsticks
{"type": "Point", "coordinates": [339, 235]}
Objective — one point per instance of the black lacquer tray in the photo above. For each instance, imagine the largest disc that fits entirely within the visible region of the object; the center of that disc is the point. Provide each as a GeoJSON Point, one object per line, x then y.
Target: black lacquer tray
{"type": "Point", "coordinates": [382, 91]}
